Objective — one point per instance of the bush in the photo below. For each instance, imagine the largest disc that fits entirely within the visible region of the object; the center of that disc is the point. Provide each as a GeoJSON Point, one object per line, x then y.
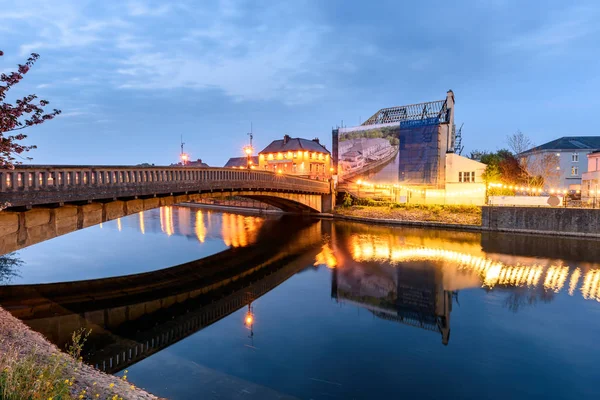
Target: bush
{"type": "Point", "coordinates": [347, 200]}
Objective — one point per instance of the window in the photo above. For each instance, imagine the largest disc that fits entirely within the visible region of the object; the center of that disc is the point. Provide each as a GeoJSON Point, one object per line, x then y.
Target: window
{"type": "Point", "coordinates": [575, 157]}
{"type": "Point", "coordinates": [466, 177]}
{"type": "Point", "coordinates": [574, 171]}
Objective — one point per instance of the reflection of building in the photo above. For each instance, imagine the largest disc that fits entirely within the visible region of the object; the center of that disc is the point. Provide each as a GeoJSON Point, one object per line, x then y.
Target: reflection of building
{"type": "Point", "coordinates": [296, 156]}
{"type": "Point", "coordinates": [410, 293]}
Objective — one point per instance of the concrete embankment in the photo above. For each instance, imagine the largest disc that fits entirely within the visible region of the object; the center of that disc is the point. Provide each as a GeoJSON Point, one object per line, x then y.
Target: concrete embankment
{"type": "Point", "coordinates": [16, 335]}
{"type": "Point", "coordinates": [566, 222]}
{"type": "Point", "coordinates": [583, 222]}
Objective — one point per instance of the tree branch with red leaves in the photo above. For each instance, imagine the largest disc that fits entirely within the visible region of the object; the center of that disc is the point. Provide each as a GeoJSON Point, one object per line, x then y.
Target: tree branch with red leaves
{"type": "Point", "coordinates": [25, 112]}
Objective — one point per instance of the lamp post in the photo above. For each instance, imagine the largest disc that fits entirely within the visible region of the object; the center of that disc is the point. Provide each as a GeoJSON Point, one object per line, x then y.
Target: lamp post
{"type": "Point", "coordinates": [248, 151]}
{"type": "Point", "coordinates": [184, 159]}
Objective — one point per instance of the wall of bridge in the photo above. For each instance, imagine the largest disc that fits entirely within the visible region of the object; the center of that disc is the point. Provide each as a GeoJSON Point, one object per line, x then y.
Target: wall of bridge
{"type": "Point", "coordinates": [26, 228]}
{"type": "Point", "coordinates": [27, 186]}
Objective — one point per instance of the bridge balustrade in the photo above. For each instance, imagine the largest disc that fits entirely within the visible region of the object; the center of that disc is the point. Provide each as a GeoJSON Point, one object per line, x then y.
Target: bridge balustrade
{"type": "Point", "coordinates": [30, 185]}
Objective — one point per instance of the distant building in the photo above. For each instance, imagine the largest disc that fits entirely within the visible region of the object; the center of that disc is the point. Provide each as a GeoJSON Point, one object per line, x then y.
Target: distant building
{"type": "Point", "coordinates": [198, 163]}
{"type": "Point", "coordinates": [241, 162]}
{"type": "Point", "coordinates": [571, 160]}
{"type": "Point", "coordinates": [590, 180]}
{"type": "Point", "coordinates": [296, 156]}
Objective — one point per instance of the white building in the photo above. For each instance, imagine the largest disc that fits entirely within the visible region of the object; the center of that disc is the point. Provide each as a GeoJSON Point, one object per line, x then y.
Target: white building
{"type": "Point", "coordinates": [571, 159]}
{"type": "Point", "coordinates": [590, 180]}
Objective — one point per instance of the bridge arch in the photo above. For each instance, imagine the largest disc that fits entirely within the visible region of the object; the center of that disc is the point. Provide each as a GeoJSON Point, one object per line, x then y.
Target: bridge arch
{"type": "Point", "coordinates": [68, 198]}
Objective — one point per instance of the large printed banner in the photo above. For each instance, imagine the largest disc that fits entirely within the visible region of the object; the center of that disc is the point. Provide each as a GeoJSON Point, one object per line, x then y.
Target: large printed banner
{"type": "Point", "coordinates": [406, 153]}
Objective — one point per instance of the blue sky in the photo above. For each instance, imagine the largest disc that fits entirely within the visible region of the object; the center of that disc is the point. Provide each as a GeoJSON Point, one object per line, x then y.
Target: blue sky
{"type": "Point", "coordinates": [132, 76]}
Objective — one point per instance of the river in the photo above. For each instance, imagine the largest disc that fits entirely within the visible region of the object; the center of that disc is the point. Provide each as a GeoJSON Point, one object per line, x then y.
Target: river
{"type": "Point", "coordinates": [199, 304]}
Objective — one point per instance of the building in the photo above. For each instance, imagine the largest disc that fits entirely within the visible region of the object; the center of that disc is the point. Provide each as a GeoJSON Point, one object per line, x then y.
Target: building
{"type": "Point", "coordinates": [241, 162]}
{"type": "Point", "coordinates": [197, 163]}
{"type": "Point", "coordinates": [590, 180]}
{"type": "Point", "coordinates": [405, 145]}
{"type": "Point", "coordinates": [464, 180]}
{"type": "Point", "coordinates": [567, 155]}
{"type": "Point", "coordinates": [296, 156]}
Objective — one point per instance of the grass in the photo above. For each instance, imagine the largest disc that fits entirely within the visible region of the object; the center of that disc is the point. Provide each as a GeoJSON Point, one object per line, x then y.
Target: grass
{"type": "Point", "coordinates": [451, 214]}
{"type": "Point", "coordinates": [29, 374]}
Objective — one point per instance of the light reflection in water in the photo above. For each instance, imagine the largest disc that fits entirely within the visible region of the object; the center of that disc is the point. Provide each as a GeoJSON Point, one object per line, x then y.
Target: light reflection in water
{"type": "Point", "coordinates": [119, 226]}
{"type": "Point", "coordinates": [239, 230]}
{"type": "Point", "coordinates": [142, 223]}
{"type": "Point", "coordinates": [491, 273]}
{"type": "Point", "coordinates": [326, 257]}
{"type": "Point", "coordinates": [200, 228]}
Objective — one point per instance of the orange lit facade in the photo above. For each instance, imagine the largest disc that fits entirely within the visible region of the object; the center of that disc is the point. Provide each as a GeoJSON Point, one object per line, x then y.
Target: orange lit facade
{"type": "Point", "coordinates": [296, 156]}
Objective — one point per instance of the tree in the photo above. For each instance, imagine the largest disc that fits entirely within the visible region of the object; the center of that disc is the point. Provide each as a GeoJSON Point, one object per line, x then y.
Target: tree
{"type": "Point", "coordinates": [542, 169]}
{"type": "Point", "coordinates": [26, 112]}
{"type": "Point", "coordinates": [502, 167]}
{"type": "Point", "coordinates": [518, 142]}
{"type": "Point", "coordinates": [9, 264]}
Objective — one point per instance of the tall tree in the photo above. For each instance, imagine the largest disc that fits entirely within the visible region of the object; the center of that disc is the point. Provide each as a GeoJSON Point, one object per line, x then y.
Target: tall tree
{"type": "Point", "coordinates": [25, 112]}
{"type": "Point", "coordinates": [518, 142]}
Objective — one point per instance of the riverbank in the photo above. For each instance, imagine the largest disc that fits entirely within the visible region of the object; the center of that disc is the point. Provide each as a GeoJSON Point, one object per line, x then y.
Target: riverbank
{"type": "Point", "coordinates": [234, 209]}
{"type": "Point", "coordinates": [31, 365]}
{"type": "Point", "coordinates": [426, 215]}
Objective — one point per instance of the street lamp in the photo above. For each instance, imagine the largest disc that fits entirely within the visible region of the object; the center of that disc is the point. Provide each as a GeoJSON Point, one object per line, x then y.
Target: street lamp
{"type": "Point", "coordinates": [248, 151]}
{"type": "Point", "coordinates": [184, 158]}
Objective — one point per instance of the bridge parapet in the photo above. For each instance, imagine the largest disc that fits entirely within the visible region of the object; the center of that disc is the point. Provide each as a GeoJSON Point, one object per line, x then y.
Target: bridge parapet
{"type": "Point", "coordinates": [38, 185]}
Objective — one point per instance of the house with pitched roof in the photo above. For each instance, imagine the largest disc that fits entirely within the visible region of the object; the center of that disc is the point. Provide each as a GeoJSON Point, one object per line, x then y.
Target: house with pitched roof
{"type": "Point", "coordinates": [571, 158]}
{"type": "Point", "coordinates": [296, 156]}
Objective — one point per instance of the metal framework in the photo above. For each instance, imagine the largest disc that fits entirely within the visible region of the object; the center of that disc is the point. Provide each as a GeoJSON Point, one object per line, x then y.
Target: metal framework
{"type": "Point", "coordinates": [431, 113]}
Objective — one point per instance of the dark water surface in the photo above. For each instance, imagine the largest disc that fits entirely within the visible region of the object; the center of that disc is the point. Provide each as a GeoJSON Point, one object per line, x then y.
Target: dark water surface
{"type": "Point", "coordinates": [338, 310]}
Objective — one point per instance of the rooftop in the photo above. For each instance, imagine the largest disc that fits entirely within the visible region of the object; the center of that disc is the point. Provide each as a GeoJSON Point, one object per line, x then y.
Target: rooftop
{"type": "Point", "coordinates": [294, 144]}
{"type": "Point", "coordinates": [436, 110]}
{"type": "Point", "coordinates": [240, 162]}
{"type": "Point", "coordinates": [569, 143]}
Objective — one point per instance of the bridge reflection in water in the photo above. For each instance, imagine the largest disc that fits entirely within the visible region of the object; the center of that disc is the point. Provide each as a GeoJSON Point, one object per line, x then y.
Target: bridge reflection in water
{"type": "Point", "coordinates": [134, 316]}
{"type": "Point", "coordinates": [408, 277]}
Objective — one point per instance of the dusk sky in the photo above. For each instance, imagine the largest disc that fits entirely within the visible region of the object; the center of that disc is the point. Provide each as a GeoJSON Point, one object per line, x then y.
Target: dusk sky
{"type": "Point", "coordinates": [132, 76]}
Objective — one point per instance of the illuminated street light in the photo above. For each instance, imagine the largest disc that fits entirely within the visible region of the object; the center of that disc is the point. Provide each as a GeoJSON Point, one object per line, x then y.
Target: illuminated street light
{"type": "Point", "coordinates": [248, 150]}
{"type": "Point", "coordinates": [184, 158]}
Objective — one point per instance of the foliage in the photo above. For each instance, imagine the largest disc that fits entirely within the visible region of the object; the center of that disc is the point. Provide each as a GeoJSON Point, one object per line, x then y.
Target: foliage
{"type": "Point", "coordinates": [347, 200]}
{"type": "Point", "coordinates": [9, 263]}
{"type": "Point", "coordinates": [27, 373]}
{"type": "Point", "coordinates": [502, 167]}
{"type": "Point", "coordinates": [452, 214]}
{"type": "Point", "coordinates": [26, 112]}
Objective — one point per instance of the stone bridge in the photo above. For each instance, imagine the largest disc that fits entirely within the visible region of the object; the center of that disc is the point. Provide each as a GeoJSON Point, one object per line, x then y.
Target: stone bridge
{"type": "Point", "coordinates": [134, 316]}
{"type": "Point", "coordinates": [48, 201]}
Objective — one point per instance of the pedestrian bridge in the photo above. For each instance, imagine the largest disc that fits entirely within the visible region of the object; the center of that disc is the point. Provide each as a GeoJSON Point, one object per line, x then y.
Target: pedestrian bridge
{"type": "Point", "coordinates": [48, 201]}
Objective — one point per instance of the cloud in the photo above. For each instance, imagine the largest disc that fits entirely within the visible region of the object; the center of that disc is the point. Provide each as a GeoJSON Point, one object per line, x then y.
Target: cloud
{"type": "Point", "coordinates": [139, 8]}
{"type": "Point", "coordinates": [244, 50]}
{"type": "Point", "coordinates": [70, 114]}
{"type": "Point", "coordinates": [556, 34]}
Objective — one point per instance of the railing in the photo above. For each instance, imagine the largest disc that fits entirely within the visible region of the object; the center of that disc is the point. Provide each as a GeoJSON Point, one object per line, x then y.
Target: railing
{"type": "Point", "coordinates": [29, 185]}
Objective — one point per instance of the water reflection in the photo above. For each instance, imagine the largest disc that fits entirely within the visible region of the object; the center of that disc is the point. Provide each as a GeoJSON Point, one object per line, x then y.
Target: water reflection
{"type": "Point", "coordinates": [528, 272]}
{"type": "Point", "coordinates": [259, 311]}
{"type": "Point", "coordinates": [237, 230]}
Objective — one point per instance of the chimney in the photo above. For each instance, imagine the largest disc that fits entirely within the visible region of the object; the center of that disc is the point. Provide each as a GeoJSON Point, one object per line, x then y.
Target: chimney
{"type": "Point", "coordinates": [316, 140]}
{"type": "Point", "coordinates": [286, 138]}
